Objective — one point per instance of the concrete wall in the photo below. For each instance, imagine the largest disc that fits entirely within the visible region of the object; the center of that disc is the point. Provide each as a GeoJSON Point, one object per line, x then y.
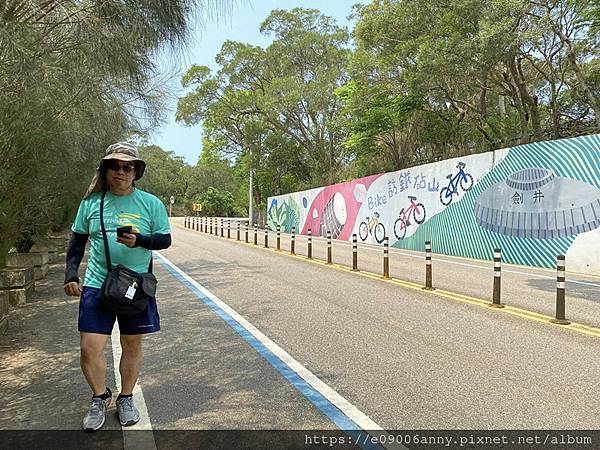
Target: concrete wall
{"type": "Point", "coordinates": [534, 201]}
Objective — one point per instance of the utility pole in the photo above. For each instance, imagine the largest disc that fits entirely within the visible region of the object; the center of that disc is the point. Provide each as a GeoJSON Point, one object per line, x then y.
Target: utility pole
{"type": "Point", "coordinates": [250, 220]}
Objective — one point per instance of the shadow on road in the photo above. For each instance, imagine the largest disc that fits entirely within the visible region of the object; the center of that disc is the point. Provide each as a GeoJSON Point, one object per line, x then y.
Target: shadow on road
{"type": "Point", "coordinates": [39, 362]}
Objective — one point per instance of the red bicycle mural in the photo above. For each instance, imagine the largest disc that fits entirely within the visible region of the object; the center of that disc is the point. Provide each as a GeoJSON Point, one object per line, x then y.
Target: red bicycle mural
{"type": "Point", "coordinates": [417, 210]}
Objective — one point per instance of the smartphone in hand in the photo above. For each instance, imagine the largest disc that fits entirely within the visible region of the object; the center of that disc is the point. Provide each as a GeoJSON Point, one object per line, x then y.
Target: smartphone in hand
{"type": "Point", "coordinates": [122, 230]}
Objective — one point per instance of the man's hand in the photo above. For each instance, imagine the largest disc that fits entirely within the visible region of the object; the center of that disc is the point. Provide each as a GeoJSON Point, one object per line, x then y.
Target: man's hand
{"type": "Point", "coordinates": [72, 289]}
{"type": "Point", "coordinates": [127, 239]}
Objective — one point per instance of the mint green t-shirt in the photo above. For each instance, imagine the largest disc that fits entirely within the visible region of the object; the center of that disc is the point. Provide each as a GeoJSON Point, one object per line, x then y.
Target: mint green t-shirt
{"type": "Point", "coordinates": [143, 211]}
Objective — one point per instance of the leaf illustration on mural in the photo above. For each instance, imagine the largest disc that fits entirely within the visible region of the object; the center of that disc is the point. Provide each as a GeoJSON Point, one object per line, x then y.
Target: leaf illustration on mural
{"type": "Point", "coordinates": [534, 203]}
{"type": "Point", "coordinates": [292, 215]}
{"type": "Point", "coordinates": [276, 216]}
{"type": "Point", "coordinates": [286, 215]}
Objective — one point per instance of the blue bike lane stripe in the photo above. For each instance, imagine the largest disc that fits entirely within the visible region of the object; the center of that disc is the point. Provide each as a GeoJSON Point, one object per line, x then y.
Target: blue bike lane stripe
{"type": "Point", "coordinates": [341, 420]}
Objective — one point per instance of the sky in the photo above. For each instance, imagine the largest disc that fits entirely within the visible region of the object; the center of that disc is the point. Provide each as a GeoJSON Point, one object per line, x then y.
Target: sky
{"type": "Point", "coordinates": [240, 22]}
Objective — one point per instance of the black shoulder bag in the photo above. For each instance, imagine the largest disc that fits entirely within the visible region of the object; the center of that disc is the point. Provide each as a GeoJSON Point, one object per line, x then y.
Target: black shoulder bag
{"type": "Point", "coordinates": [124, 291]}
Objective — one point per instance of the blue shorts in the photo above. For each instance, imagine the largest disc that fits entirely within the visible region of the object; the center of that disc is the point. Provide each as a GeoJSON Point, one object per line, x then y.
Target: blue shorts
{"type": "Point", "coordinates": [94, 319]}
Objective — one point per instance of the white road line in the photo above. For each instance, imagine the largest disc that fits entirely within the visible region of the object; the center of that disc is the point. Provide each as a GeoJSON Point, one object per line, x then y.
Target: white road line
{"type": "Point", "coordinates": [132, 441]}
{"type": "Point", "coordinates": [347, 408]}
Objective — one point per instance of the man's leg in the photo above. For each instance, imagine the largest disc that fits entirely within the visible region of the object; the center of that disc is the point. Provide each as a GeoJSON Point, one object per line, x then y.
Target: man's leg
{"type": "Point", "coordinates": [93, 361]}
{"type": "Point", "coordinates": [131, 361]}
{"type": "Point", "coordinates": [129, 367]}
{"type": "Point", "coordinates": [93, 364]}
{"type": "Point", "coordinates": [132, 330]}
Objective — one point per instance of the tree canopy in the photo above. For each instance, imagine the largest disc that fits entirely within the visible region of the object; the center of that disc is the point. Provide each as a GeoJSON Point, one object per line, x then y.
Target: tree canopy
{"type": "Point", "coordinates": [75, 77]}
{"type": "Point", "coordinates": [424, 81]}
{"type": "Point", "coordinates": [412, 82]}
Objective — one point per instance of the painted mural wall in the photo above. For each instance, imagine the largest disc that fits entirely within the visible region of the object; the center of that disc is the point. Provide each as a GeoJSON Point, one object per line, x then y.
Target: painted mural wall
{"type": "Point", "coordinates": [533, 201]}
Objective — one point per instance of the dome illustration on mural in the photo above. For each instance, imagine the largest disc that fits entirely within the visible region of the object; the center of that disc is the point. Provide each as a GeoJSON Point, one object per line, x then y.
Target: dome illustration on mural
{"type": "Point", "coordinates": [534, 203]}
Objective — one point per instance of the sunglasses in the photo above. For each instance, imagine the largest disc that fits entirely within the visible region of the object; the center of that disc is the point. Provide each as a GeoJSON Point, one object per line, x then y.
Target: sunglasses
{"type": "Point", "coordinates": [115, 165]}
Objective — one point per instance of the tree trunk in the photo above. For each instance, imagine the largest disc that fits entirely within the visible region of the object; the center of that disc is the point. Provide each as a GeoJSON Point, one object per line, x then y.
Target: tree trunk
{"type": "Point", "coordinates": [583, 85]}
{"type": "Point", "coordinates": [531, 101]}
{"type": "Point", "coordinates": [501, 105]}
{"type": "Point", "coordinates": [521, 108]}
{"type": "Point", "coordinates": [554, 111]}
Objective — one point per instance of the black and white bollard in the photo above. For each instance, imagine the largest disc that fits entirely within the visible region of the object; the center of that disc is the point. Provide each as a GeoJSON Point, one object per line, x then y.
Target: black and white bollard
{"type": "Point", "coordinates": [496, 300]}
{"type": "Point", "coordinates": [354, 253]}
{"type": "Point", "coordinates": [293, 241]}
{"type": "Point", "coordinates": [386, 258]}
{"type": "Point", "coordinates": [428, 275]}
{"type": "Point", "coordinates": [278, 237]}
{"type": "Point", "coordinates": [266, 236]}
{"type": "Point", "coordinates": [211, 225]}
{"type": "Point", "coordinates": [255, 234]}
{"type": "Point", "coordinates": [560, 292]}
{"type": "Point", "coordinates": [246, 231]}
{"type": "Point", "coordinates": [329, 260]}
{"type": "Point", "coordinates": [229, 229]}
{"type": "Point", "coordinates": [309, 244]}
{"type": "Point", "coordinates": [238, 230]}
{"type": "Point", "coordinates": [222, 227]}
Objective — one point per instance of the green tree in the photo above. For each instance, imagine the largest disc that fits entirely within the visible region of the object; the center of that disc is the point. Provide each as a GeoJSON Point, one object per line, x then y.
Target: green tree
{"type": "Point", "coordinates": [217, 203]}
{"type": "Point", "coordinates": [164, 175]}
{"type": "Point", "coordinates": [475, 75]}
{"type": "Point", "coordinates": [75, 77]}
{"type": "Point", "coordinates": [273, 109]}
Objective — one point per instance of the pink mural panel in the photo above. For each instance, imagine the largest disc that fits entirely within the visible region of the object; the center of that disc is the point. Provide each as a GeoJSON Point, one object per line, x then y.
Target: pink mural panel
{"type": "Point", "coordinates": [336, 207]}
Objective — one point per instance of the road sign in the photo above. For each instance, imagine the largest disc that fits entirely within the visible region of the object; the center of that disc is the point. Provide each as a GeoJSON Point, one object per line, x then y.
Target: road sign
{"type": "Point", "coordinates": [172, 199]}
{"type": "Point", "coordinates": [196, 206]}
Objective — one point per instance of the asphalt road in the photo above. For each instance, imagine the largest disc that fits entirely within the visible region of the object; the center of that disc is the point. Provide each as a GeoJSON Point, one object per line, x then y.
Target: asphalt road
{"type": "Point", "coordinates": [404, 357]}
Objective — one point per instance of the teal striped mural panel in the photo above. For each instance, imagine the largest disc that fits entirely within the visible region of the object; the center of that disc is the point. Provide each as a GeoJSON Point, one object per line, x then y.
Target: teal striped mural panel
{"type": "Point", "coordinates": [455, 231]}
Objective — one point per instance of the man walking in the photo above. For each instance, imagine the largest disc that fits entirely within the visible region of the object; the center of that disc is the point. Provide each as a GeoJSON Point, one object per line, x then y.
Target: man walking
{"type": "Point", "coordinates": [145, 217]}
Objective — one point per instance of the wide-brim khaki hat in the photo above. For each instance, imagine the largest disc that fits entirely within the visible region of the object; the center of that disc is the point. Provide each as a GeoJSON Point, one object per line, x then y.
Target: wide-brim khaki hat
{"type": "Point", "coordinates": [123, 151]}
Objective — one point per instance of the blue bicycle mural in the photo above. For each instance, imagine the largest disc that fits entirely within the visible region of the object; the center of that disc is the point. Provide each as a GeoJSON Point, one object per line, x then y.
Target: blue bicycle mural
{"type": "Point", "coordinates": [462, 178]}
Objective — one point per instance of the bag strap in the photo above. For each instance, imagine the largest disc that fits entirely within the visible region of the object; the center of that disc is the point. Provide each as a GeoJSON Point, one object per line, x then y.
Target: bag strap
{"type": "Point", "coordinates": [106, 251]}
{"type": "Point", "coordinates": [104, 238]}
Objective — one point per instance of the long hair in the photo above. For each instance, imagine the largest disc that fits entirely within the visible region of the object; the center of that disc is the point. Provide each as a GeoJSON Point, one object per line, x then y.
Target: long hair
{"type": "Point", "coordinates": [99, 182]}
